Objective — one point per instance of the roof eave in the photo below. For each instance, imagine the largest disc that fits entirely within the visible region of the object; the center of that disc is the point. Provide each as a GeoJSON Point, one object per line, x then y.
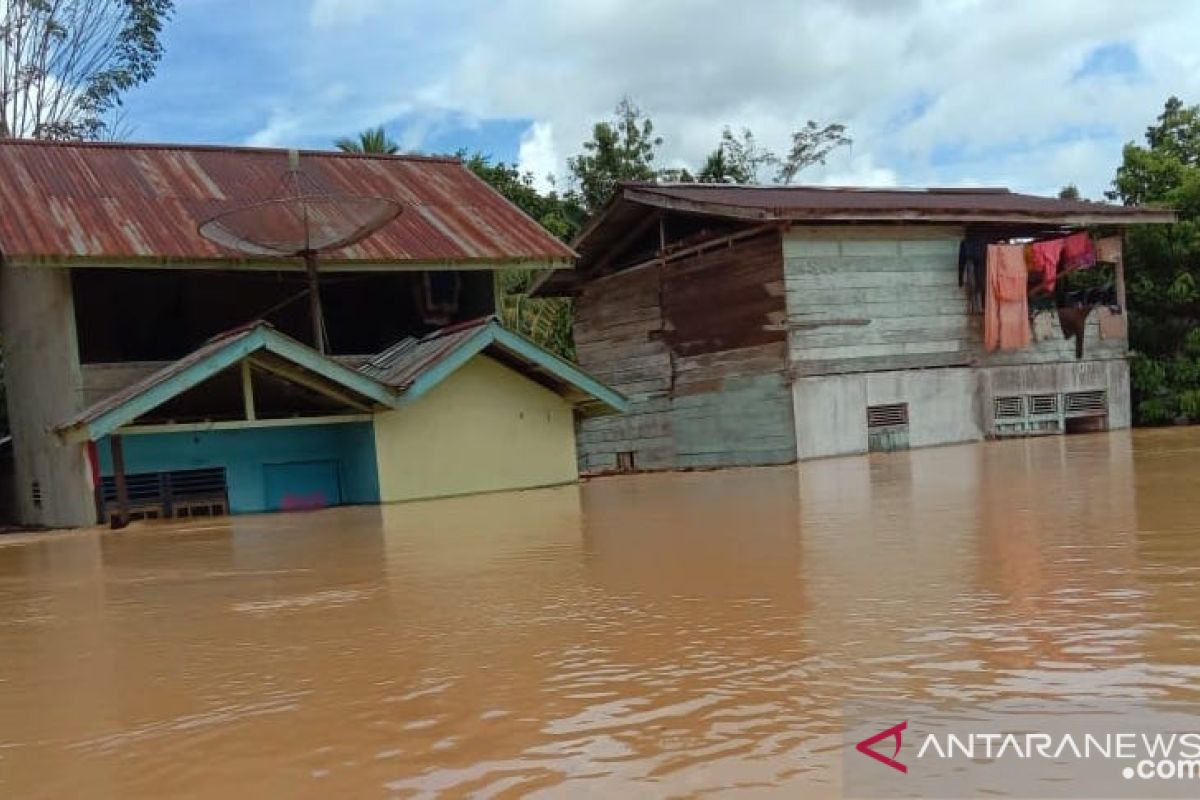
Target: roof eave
{"type": "Point", "coordinates": [90, 426]}
{"type": "Point", "coordinates": [493, 334]}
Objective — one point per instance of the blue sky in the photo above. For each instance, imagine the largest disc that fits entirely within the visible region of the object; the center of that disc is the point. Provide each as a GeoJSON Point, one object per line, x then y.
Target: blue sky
{"type": "Point", "coordinates": [1026, 94]}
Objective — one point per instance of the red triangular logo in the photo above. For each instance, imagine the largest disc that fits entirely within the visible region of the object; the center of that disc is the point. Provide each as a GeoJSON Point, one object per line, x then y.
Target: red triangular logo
{"type": "Point", "coordinates": [864, 746]}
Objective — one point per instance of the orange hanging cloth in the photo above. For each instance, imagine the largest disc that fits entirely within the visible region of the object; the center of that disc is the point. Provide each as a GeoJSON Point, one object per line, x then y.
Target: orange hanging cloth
{"type": "Point", "coordinates": [1006, 312]}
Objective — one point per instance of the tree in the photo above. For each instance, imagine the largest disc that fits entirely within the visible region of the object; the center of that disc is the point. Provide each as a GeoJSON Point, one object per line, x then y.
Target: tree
{"type": "Point", "coordinates": [372, 140]}
{"type": "Point", "coordinates": [737, 159]}
{"type": "Point", "coordinates": [561, 215]}
{"type": "Point", "coordinates": [622, 149]}
{"type": "Point", "coordinates": [811, 145]}
{"type": "Point", "coordinates": [1164, 266]}
{"type": "Point", "coordinates": [1069, 192]}
{"type": "Point", "coordinates": [547, 321]}
{"type": "Point", "coordinates": [65, 64]}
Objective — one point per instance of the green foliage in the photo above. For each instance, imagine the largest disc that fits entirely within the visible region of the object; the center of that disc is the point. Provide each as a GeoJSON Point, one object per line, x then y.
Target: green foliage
{"type": "Point", "coordinates": [811, 145]}
{"type": "Point", "coordinates": [559, 214]}
{"type": "Point", "coordinates": [1069, 192]}
{"type": "Point", "coordinates": [64, 64]}
{"type": "Point", "coordinates": [622, 149]}
{"type": "Point", "coordinates": [741, 159]}
{"type": "Point", "coordinates": [737, 159]}
{"type": "Point", "coordinates": [372, 140]}
{"type": "Point", "coordinates": [1164, 266]}
{"type": "Point", "coordinates": [546, 321]}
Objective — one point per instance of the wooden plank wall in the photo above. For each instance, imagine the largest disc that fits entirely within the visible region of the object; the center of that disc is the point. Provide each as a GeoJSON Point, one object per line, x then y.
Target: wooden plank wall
{"type": "Point", "coordinates": [699, 345]}
{"type": "Point", "coordinates": [883, 298]}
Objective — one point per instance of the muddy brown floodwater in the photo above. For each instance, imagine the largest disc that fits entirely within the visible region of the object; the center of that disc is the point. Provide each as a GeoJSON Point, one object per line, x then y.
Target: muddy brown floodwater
{"type": "Point", "coordinates": [641, 636]}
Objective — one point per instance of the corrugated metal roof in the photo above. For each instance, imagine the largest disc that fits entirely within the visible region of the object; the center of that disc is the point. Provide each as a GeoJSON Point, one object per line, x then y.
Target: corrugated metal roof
{"type": "Point", "coordinates": [741, 206]}
{"type": "Point", "coordinates": [145, 202]}
{"type": "Point", "coordinates": [938, 204]}
{"type": "Point", "coordinates": [415, 366]}
{"type": "Point", "coordinates": [407, 360]}
{"type": "Point", "coordinates": [383, 380]}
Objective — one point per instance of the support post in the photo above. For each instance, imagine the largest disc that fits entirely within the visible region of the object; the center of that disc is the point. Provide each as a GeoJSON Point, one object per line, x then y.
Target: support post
{"type": "Point", "coordinates": [248, 391]}
{"type": "Point", "coordinates": [1119, 280]}
{"type": "Point", "coordinates": [121, 518]}
{"type": "Point", "coordinates": [314, 301]}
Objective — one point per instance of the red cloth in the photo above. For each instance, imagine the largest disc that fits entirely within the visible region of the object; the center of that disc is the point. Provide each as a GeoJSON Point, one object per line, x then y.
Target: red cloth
{"type": "Point", "coordinates": [1044, 258]}
{"type": "Point", "coordinates": [1078, 252]}
{"type": "Point", "coordinates": [1006, 312]}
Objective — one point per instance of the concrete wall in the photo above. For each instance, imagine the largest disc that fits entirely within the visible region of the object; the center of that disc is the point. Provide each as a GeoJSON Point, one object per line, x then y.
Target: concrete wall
{"type": "Point", "coordinates": [485, 428]}
{"type": "Point", "coordinates": [831, 410]}
{"type": "Point", "coordinates": [246, 452]}
{"type": "Point", "coordinates": [1112, 376]}
{"type": "Point", "coordinates": [43, 389]}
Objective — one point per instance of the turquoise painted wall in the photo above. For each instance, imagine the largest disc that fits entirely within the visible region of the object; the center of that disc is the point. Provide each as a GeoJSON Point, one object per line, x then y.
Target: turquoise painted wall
{"type": "Point", "coordinates": [245, 453]}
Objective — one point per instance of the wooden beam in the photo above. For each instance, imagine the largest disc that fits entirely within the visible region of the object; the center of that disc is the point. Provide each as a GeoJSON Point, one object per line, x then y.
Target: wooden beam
{"type": "Point", "coordinates": [121, 518]}
{"type": "Point", "coordinates": [643, 225]}
{"type": "Point", "coordinates": [302, 378]}
{"type": "Point", "coordinates": [1119, 280]}
{"type": "Point", "coordinates": [242, 424]}
{"type": "Point", "coordinates": [248, 390]}
{"type": "Point", "coordinates": [699, 247]}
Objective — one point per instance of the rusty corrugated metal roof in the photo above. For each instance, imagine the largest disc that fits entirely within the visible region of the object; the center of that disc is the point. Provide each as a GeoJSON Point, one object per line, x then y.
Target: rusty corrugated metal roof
{"type": "Point", "coordinates": [408, 359]}
{"type": "Point", "coordinates": [143, 203]}
{"type": "Point", "coordinates": [792, 203]}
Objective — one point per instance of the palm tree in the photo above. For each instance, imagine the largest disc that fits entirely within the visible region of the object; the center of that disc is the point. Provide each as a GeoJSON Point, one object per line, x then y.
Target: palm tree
{"type": "Point", "coordinates": [372, 140]}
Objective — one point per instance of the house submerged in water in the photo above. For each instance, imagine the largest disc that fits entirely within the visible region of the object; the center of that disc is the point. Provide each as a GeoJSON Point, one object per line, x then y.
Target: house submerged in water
{"type": "Point", "coordinates": [761, 325]}
{"type": "Point", "coordinates": [151, 369]}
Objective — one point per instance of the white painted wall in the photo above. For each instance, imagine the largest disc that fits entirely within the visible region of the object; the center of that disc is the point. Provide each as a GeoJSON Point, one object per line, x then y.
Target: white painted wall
{"type": "Point", "coordinates": [942, 406]}
{"type": "Point", "coordinates": [44, 389]}
{"type": "Point", "coordinates": [831, 410]}
{"type": "Point", "coordinates": [831, 415]}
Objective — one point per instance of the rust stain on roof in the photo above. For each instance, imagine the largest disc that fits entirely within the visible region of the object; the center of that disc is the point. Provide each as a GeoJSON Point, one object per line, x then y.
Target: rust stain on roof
{"type": "Point", "coordinates": [144, 204]}
{"type": "Point", "coordinates": [408, 359]}
{"type": "Point", "coordinates": [943, 204]}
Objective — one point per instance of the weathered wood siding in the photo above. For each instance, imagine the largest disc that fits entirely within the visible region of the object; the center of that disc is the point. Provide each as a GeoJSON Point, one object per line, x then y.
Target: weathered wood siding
{"type": "Point", "coordinates": [876, 316]}
{"type": "Point", "coordinates": [699, 345]}
{"type": "Point", "coordinates": [868, 298]}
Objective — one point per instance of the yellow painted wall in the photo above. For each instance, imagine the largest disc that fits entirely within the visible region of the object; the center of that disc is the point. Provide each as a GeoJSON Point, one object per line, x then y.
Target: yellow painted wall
{"type": "Point", "coordinates": [483, 429]}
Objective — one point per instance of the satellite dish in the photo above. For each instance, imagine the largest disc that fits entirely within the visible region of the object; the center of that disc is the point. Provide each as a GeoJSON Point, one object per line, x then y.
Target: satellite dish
{"type": "Point", "coordinates": [302, 221]}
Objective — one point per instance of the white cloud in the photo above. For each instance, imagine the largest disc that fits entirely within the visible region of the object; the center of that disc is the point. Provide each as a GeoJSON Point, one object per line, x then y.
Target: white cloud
{"type": "Point", "coordinates": [331, 13]}
{"type": "Point", "coordinates": [537, 154]}
{"type": "Point", "coordinates": [934, 92]}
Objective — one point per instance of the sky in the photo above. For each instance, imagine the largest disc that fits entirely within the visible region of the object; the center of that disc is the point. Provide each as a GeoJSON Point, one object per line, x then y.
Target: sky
{"type": "Point", "coordinates": [1028, 94]}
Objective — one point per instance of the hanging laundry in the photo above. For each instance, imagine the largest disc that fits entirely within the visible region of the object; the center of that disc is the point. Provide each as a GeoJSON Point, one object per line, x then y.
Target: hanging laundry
{"type": "Point", "coordinates": [1006, 313]}
{"type": "Point", "coordinates": [1044, 258]}
{"type": "Point", "coordinates": [1078, 252]}
{"type": "Point", "coordinates": [972, 271]}
{"type": "Point", "coordinates": [1108, 249]}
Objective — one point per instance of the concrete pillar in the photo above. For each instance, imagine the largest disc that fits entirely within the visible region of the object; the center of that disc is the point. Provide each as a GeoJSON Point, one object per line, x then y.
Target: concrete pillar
{"type": "Point", "coordinates": [42, 376]}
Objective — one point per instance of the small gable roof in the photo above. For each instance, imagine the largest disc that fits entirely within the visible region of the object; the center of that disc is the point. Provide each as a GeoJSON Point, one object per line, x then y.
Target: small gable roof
{"type": "Point", "coordinates": [219, 353]}
{"type": "Point", "coordinates": [414, 366]}
{"type": "Point", "coordinates": [397, 377]}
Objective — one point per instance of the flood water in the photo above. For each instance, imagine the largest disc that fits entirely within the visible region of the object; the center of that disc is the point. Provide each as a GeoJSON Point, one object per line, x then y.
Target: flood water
{"type": "Point", "coordinates": [640, 636]}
